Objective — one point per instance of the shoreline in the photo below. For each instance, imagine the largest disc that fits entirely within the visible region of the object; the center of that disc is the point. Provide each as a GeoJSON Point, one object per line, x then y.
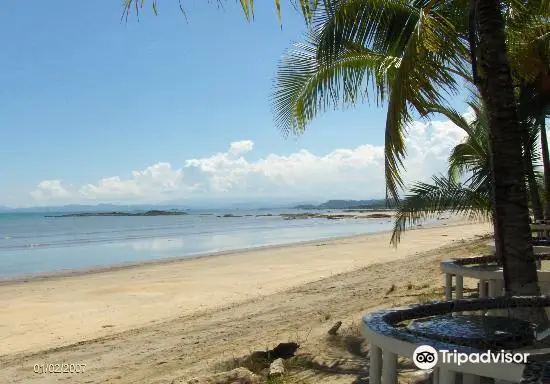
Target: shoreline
{"type": "Point", "coordinates": [166, 260]}
{"type": "Point", "coordinates": [58, 311]}
{"type": "Point", "coordinates": [66, 273]}
{"type": "Point", "coordinates": [206, 340]}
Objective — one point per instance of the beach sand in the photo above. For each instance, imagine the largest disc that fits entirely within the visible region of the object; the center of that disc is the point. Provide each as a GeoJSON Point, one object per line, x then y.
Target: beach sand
{"type": "Point", "coordinates": [154, 322]}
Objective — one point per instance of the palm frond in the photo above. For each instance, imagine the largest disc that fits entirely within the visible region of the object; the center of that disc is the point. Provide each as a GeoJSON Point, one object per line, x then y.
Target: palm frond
{"type": "Point", "coordinates": [306, 86]}
{"type": "Point", "coordinates": [383, 25]}
{"type": "Point", "coordinates": [451, 114]}
{"type": "Point", "coordinates": [467, 188]}
{"type": "Point", "coordinates": [420, 83]}
{"type": "Point", "coordinates": [423, 37]}
{"type": "Point", "coordinates": [442, 195]}
{"type": "Point", "coordinates": [529, 48]}
{"type": "Point", "coordinates": [307, 7]}
{"type": "Point", "coordinates": [519, 13]}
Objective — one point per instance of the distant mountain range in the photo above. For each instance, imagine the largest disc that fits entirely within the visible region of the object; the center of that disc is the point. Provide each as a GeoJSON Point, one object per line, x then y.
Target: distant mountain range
{"type": "Point", "coordinates": [194, 205]}
{"type": "Point", "coordinates": [347, 204]}
{"type": "Point", "coordinates": [202, 205]}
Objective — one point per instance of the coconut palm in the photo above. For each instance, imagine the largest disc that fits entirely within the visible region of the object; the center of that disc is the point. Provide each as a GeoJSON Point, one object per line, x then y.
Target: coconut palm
{"type": "Point", "coordinates": [410, 52]}
{"type": "Point", "coordinates": [513, 240]}
{"type": "Point", "coordinates": [427, 41]}
{"type": "Point", "coordinates": [528, 39]}
{"type": "Point", "coordinates": [466, 189]}
{"type": "Point", "coordinates": [536, 110]}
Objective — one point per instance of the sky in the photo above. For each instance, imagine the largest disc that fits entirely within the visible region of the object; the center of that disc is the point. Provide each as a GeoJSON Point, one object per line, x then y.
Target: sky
{"type": "Point", "coordinates": [98, 109]}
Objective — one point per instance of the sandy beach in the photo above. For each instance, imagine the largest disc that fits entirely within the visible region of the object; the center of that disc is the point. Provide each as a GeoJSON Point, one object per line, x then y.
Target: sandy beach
{"type": "Point", "coordinates": [153, 322]}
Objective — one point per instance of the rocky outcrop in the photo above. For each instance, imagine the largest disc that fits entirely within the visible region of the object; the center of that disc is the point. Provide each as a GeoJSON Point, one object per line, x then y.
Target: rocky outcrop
{"type": "Point", "coordinates": [347, 204]}
{"type": "Point", "coordinates": [379, 216]}
{"type": "Point", "coordinates": [333, 216]}
{"type": "Point", "coordinates": [148, 213]}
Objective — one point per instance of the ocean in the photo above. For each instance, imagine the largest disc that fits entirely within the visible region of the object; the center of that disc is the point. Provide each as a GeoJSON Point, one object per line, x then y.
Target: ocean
{"type": "Point", "coordinates": [31, 243]}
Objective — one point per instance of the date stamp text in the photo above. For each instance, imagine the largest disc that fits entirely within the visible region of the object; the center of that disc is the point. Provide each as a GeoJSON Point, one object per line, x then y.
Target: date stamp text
{"type": "Point", "coordinates": [59, 368]}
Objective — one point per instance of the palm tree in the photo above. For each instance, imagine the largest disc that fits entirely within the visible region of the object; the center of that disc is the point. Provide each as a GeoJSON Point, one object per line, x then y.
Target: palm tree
{"type": "Point", "coordinates": [528, 36]}
{"type": "Point", "coordinates": [427, 42]}
{"type": "Point", "coordinates": [537, 108]}
{"type": "Point", "coordinates": [512, 232]}
{"type": "Point", "coordinates": [466, 189]}
{"type": "Point", "coordinates": [411, 52]}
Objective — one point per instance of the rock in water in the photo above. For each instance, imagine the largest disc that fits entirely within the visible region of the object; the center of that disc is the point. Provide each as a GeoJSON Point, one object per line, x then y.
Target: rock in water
{"type": "Point", "coordinates": [277, 368]}
{"type": "Point", "coordinates": [236, 376]}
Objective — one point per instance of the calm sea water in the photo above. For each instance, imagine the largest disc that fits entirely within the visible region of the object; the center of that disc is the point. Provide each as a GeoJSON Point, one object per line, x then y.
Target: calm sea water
{"type": "Point", "coordinates": [34, 244]}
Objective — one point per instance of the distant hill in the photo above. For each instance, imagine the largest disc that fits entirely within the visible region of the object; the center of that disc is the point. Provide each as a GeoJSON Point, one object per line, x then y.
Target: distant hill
{"type": "Point", "coordinates": [347, 204]}
{"type": "Point", "coordinates": [191, 205]}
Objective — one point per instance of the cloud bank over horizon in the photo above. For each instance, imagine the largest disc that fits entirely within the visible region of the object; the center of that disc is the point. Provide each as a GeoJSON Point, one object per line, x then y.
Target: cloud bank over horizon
{"type": "Point", "coordinates": [344, 172]}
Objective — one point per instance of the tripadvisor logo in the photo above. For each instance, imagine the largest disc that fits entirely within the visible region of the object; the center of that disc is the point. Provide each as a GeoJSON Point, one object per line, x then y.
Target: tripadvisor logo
{"type": "Point", "coordinates": [426, 357]}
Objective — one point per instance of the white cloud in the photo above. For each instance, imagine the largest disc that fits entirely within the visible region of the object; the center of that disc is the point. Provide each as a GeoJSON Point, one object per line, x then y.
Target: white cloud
{"type": "Point", "coordinates": [241, 147]}
{"type": "Point", "coordinates": [300, 171]}
{"type": "Point", "coordinates": [50, 190]}
{"type": "Point", "coordinates": [428, 148]}
{"type": "Point", "coordinates": [155, 180]}
{"type": "Point", "coordinates": [347, 173]}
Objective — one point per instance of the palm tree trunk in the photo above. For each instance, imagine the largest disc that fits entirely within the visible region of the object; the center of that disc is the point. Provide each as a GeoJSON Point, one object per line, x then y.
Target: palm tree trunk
{"type": "Point", "coordinates": [546, 166]}
{"type": "Point", "coordinates": [512, 213]}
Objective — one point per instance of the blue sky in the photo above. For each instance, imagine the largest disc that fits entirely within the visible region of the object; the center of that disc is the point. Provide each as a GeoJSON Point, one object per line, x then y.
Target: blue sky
{"type": "Point", "coordinates": [87, 98]}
